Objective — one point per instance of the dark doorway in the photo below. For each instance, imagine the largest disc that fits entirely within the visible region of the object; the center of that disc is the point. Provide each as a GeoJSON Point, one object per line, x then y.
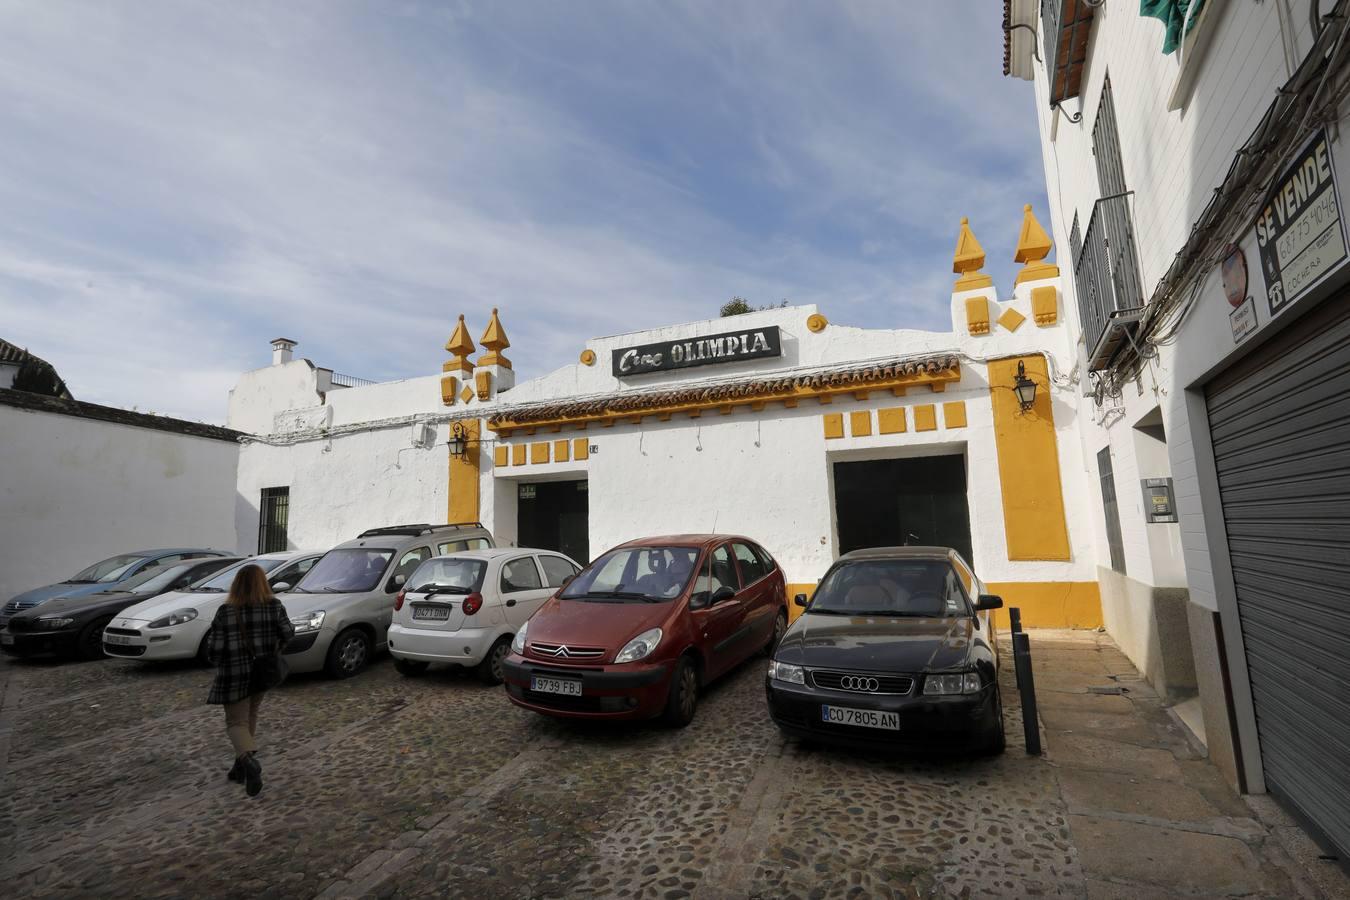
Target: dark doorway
{"type": "Point", "coordinates": [553, 516]}
{"type": "Point", "coordinates": [894, 502]}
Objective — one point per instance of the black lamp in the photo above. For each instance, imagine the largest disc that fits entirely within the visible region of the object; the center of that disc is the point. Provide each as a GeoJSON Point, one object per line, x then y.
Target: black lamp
{"type": "Point", "coordinates": [1024, 388]}
{"type": "Point", "coordinates": [459, 440]}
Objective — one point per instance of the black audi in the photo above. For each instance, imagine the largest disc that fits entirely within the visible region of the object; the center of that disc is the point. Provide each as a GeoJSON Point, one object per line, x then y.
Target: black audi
{"type": "Point", "coordinates": [896, 648]}
{"type": "Point", "coordinates": [73, 626]}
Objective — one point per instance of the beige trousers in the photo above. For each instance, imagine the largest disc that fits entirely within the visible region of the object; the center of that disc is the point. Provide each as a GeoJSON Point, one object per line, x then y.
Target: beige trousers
{"type": "Point", "coordinates": [241, 723]}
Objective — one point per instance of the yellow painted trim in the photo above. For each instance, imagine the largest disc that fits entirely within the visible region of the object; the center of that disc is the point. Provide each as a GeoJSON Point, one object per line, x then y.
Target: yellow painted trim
{"type": "Point", "coordinates": [891, 421]}
{"type": "Point", "coordinates": [467, 394]}
{"type": "Point", "coordinates": [1050, 604]}
{"type": "Point", "coordinates": [834, 425]}
{"type": "Point", "coordinates": [494, 341]}
{"type": "Point", "coordinates": [861, 395]}
{"type": "Point", "coordinates": [581, 449]}
{"type": "Point", "coordinates": [449, 388]}
{"type": "Point", "coordinates": [788, 396]}
{"type": "Point", "coordinates": [561, 451]}
{"type": "Point", "coordinates": [1011, 319]}
{"type": "Point", "coordinates": [539, 453]}
{"type": "Point", "coordinates": [588, 357]}
{"type": "Point", "coordinates": [499, 456]}
{"type": "Point", "coordinates": [860, 423]}
{"type": "Point", "coordinates": [483, 379]}
{"type": "Point", "coordinates": [462, 475]}
{"type": "Point", "coordinates": [816, 322]}
{"type": "Point", "coordinates": [925, 417]}
{"type": "Point", "coordinates": [937, 388]}
{"type": "Point", "coordinates": [1045, 305]}
{"type": "Point", "coordinates": [969, 255]}
{"type": "Point", "coordinates": [459, 346]}
{"type": "Point", "coordinates": [1033, 244]}
{"type": "Point", "coordinates": [1036, 272]}
{"type": "Point", "coordinates": [977, 315]}
{"type": "Point", "coordinates": [1028, 464]}
{"type": "Point", "coordinates": [807, 588]}
{"type": "Point", "coordinates": [790, 403]}
{"type": "Point", "coordinates": [518, 455]}
{"type": "Point", "coordinates": [954, 414]}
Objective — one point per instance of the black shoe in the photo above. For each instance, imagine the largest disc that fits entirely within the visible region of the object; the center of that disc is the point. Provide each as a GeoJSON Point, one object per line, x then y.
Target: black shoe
{"type": "Point", "coordinates": [236, 773]}
{"type": "Point", "coordinates": [252, 775]}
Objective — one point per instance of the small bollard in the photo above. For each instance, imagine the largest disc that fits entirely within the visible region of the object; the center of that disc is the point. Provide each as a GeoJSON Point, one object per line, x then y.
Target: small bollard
{"type": "Point", "coordinates": [1015, 622]}
{"type": "Point", "coordinates": [1026, 686]}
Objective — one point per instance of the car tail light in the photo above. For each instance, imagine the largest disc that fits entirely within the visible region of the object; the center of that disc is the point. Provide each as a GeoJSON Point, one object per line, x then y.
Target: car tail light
{"type": "Point", "coordinates": [472, 604]}
{"type": "Point", "coordinates": [398, 601]}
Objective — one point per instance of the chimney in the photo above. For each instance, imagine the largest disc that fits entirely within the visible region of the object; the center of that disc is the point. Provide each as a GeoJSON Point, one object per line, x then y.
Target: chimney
{"type": "Point", "coordinates": [281, 351]}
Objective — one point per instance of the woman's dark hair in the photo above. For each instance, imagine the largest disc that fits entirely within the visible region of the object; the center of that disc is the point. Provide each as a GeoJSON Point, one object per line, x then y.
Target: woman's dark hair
{"type": "Point", "coordinates": [249, 587]}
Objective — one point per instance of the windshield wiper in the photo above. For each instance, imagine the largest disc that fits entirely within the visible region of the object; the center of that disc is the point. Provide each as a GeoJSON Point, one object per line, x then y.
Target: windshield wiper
{"type": "Point", "coordinates": [625, 595]}
{"type": "Point", "coordinates": [440, 589]}
{"type": "Point", "coordinates": [336, 590]}
{"type": "Point", "coordinates": [888, 613]}
{"type": "Point", "coordinates": [208, 590]}
{"type": "Point", "coordinates": [81, 581]}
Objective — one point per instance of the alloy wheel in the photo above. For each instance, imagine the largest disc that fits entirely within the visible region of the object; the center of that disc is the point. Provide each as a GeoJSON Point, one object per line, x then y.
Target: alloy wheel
{"type": "Point", "coordinates": [352, 653]}
{"type": "Point", "coordinates": [688, 691]}
{"type": "Point", "coordinates": [499, 651]}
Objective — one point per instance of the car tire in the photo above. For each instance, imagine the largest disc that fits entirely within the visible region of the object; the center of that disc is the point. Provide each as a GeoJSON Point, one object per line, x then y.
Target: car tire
{"type": "Point", "coordinates": [90, 643]}
{"type": "Point", "coordinates": [410, 668]}
{"type": "Point", "coordinates": [349, 654]}
{"type": "Point", "coordinates": [682, 701]}
{"type": "Point", "coordinates": [204, 649]}
{"type": "Point", "coordinates": [489, 671]}
{"type": "Point", "coordinates": [776, 637]}
{"type": "Point", "coordinates": [997, 741]}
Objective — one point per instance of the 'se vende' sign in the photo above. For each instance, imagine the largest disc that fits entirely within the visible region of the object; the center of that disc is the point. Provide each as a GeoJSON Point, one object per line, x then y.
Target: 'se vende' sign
{"type": "Point", "coordinates": [1299, 232]}
{"type": "Point", "coordinates": [733, 346]}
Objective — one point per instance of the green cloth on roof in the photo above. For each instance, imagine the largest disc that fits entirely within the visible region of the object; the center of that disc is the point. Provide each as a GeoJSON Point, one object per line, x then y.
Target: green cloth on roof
{"type": "Point", "coordinates": [1173, 15]}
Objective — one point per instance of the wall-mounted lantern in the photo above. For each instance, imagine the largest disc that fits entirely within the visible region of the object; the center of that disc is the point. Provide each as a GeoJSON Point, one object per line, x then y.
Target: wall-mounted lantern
{"type": "Point", "coordinates": [459, 440]}
{"type": "Point", "coordinates": [1024, 388]}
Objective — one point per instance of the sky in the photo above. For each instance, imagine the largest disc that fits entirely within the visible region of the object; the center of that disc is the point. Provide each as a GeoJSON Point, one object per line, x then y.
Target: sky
{"type": "Point", "coordinates": [181, 182]}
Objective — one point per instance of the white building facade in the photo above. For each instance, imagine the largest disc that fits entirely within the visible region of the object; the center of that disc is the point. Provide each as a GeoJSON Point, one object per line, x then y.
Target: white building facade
{"type": "Point", "coordinates": [1199, 192]}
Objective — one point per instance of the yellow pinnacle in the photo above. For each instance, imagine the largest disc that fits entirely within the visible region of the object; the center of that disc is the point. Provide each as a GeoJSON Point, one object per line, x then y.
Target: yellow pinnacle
{"type": "Point", "coordinates": [968, 260]}
{"type": "Point", "coordinates": [494, 341]}
{"type": "Point", "coordinates": [1033, 244]}
{"type": "Point", "coordinates": [460, 346]}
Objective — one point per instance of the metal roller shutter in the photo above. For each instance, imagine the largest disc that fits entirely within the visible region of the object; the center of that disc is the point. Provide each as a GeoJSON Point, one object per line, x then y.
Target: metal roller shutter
{"type": "Point", "coordinates": [1280, 423]}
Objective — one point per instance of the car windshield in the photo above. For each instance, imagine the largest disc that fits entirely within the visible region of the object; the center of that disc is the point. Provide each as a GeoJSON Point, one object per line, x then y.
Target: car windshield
{"type": "Point", "coordinates": [448, 576]}
{"type": "Point", "coordinates": [353, 570]}
{"type": "Point", "coordinates": [155, 578]}
{"type": "Point", "coordinates": [109, 570]}
{"type": "Point", "coordinates": [220, 582]}
{"type": "Point", "coordinates": [889, 587]}
{"type": "Point", "coordinates": [650, 574]}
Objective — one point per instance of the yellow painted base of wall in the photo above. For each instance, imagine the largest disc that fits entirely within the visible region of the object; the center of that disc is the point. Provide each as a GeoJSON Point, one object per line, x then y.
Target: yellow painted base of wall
{"type": "Point", "coordinates": [793, 590]}
{"type": "Point", "coordinates": [1050, 604]}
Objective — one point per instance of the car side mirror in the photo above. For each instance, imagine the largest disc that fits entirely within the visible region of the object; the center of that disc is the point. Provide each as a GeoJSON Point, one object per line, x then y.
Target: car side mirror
{"type": "Point", "coordinates": [281, 586]}
{"type": "Point", "coordinates": [395, 583]}
{"type": "Point", "coordinates": [988, 601]}
{"type": "Point", "coordinates": [722, 593]}
{"type": "Point", "coordinates": [568, 580]}
{"type": "Point", "coordinates": [800, 600]}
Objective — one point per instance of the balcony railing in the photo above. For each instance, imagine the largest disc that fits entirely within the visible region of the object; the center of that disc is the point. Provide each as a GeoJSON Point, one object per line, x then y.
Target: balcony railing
{"type": "Point", "coordinates": [1106, 275]}
{"type": "Point", "coordinates": [1065, 28]}
{"type": "Point", "coordinates": [350, 380]}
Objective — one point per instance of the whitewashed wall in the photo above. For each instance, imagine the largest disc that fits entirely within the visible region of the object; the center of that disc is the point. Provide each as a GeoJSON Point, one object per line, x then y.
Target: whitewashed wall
{"type": "Point", "coordinates": [75, 490]}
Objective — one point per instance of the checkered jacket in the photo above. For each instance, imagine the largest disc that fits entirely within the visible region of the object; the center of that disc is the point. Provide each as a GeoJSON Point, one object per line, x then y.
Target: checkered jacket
{"type": "Point", "coordinates": [268, 627]}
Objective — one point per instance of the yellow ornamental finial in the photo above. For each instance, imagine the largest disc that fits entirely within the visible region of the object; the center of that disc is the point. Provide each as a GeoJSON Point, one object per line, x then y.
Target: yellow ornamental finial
{"type": "Point", "coordinates": [460, 346]}
{"type": "Point", "coordinates": [494, 341]}
{"type": "Point", "coordinates": [968, 260]}
{"type": "Point", "coordinates": [1033, 245]}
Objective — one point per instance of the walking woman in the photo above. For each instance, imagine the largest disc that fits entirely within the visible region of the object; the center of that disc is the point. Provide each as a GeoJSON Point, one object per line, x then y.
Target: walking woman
{"type": "Point", "coordinates": [246, 640]}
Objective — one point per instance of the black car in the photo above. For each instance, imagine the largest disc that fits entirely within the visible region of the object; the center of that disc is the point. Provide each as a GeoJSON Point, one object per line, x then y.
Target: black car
{"type": "Point", "coordinates": [73, 626]}
{"type": "Point", "coordinates": [896, 648]}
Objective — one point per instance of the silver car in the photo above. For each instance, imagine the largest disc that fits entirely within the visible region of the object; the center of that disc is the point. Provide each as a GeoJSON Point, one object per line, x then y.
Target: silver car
{"type": "Point", "coordinates": [344, 605]}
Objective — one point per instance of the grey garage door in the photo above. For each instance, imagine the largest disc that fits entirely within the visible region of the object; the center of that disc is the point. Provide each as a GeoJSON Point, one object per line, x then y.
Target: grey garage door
{"type": "Point", "coordinates": [1280, 421]}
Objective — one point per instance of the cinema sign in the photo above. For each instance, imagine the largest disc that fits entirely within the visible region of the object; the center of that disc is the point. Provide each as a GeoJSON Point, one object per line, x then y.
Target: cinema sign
{"type": "Point", "coordinates": [732, 346]}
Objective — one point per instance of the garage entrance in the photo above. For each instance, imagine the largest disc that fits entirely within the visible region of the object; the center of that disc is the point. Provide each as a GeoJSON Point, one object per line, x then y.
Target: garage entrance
{"type": "Point", "coordinates": [554, 515]}
{"type": "Point", "coordinates": [894, 502]}
{"type": "Point", "coordinates": [1280, 424]}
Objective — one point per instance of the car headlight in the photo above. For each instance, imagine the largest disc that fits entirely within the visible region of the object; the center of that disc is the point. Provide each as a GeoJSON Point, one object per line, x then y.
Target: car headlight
{"type": "Point", "coordinates": [960, 683]}
{"type": "Point", "coordinates": [518, 642]}
{"type": "Point", "coordinates": [54, 621]}
{"type": "Point", "coordinates": [784, 672]}
{"type": "Point", "coordinates": [639, 647]}
{"type": "Point", "coordinates": [311, 622]}
{"type": "Point", "coordinates": [177, 617]}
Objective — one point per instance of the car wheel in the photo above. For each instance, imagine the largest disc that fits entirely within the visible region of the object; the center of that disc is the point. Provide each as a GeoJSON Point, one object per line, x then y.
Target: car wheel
{"type": "Point", "coordinates": [410, 668]}
{"type": "Point", "coordinates": [348, 654]}
{"type": "Point", "coordinates": [683, 698]}
{"type": "Point", "coordinates": [779, 627]}
{"type": "Point", "coordinates": [997, 741]}
{"type": "Point", "coordinates": [489, 671]}
{"type": "Point", "coordinates": [90, 643]}
{"type": "Point", "coordinates": [204, 649]}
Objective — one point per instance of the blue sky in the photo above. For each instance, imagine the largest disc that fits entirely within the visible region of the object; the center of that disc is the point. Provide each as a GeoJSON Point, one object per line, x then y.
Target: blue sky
{"type": "Point", "coordinates": [180, 182]}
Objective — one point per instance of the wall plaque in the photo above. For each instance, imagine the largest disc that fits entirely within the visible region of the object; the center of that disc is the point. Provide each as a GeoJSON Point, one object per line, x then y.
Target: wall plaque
{"type": "Point", "coordinates": [730, 346]}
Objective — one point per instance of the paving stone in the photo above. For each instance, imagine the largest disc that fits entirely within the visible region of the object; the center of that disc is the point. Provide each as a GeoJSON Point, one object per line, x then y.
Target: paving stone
{"type": "Point", "coordinates": [1082, 751]}
{"type": "Point", "coordinates": [1167, 858]}
{"type": "Point", "coordinates": [1088, 792]}
{"type": "Point", "coordinates": [1094, 703]}
{"type": "Point", "coordinates": [1128, 729]}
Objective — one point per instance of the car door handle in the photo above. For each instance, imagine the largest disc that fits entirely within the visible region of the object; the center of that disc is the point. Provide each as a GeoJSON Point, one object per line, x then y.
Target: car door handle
{"type": "Point", "coordinates": [511, 601]}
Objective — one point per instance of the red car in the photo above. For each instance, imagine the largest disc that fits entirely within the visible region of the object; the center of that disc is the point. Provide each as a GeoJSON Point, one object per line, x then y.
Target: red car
{"type": "Point", "coordinates": [640, 630]}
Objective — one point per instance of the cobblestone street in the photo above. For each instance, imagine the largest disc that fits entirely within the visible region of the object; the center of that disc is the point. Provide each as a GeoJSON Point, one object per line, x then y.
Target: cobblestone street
{"type": "Point", "coordinates": [114, 785]}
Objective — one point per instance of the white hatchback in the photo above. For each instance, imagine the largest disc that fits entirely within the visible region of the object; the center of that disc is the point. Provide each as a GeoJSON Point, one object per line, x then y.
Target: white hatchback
{"type": "Point", "coordinates": [465, 608]}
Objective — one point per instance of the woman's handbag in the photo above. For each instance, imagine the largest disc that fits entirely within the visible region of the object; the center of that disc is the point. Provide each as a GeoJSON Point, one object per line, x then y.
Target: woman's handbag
{"type": "Point", "coordinates": [266, 670]}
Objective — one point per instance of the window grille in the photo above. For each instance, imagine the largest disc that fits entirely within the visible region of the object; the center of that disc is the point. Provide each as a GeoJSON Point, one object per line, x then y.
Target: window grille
{"type": "Point", "coordinates": [1111, 506]}
{"type": "Point", "coordinates": [274, 511]}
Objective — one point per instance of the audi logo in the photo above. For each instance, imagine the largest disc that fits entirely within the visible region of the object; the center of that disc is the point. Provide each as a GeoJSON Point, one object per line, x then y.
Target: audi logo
{"type": "Point", "coordinates": [859, 683]}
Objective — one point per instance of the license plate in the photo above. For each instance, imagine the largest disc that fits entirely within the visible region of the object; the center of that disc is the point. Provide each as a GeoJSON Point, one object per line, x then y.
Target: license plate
{"type": "Point", "coordinates": [116, 639]}
{"type": "Point", "coordinates": [556, 686]}
{"type": "Point", "coordinates": [7, 640]}
{"type": "Point", "coordinates": [865, 718]}
{"type": "Point", "coordinates": [432, 613]}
